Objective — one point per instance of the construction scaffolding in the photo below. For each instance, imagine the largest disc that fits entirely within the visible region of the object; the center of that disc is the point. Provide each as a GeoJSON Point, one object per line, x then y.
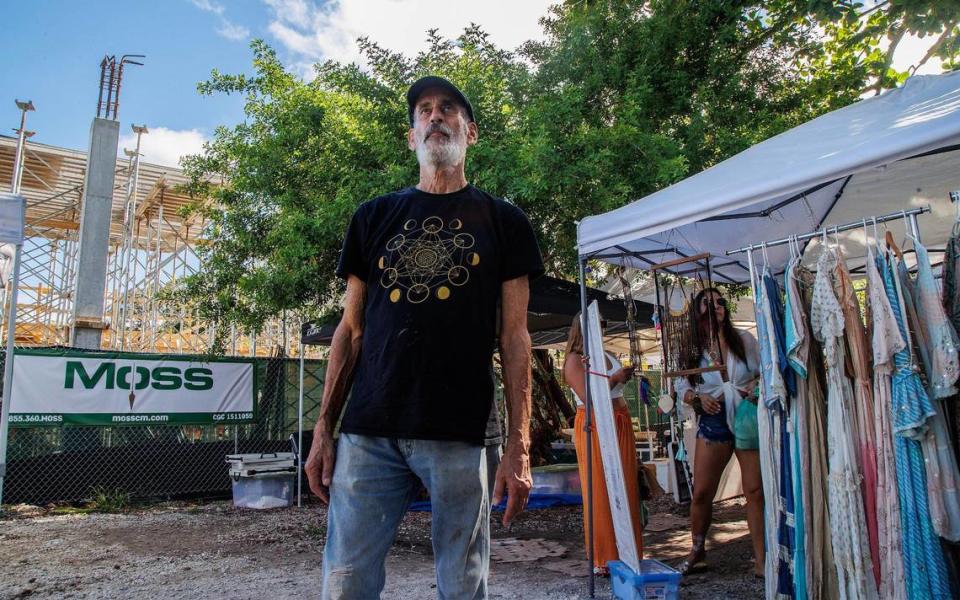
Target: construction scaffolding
{"type": "Point", "coordinates": [152, 246]}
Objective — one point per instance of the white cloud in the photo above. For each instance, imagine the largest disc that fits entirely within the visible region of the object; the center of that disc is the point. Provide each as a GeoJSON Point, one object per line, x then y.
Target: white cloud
{"type": "Point", "coordinates": [208, 6]}
{"type": "Point", "coordinates": [227, 29]}
{"type": "Point", "coordinates": [232, 31]}
{"type": "Point", "coordinates": [314, 31]}
{"type": "Point", "coordinates": [293, 11]}
{"type": "Point", "coordinates": [162, 146]}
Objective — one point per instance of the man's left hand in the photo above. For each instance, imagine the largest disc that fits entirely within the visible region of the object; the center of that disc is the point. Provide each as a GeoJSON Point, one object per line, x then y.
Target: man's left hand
{"type": "Point", "coordinates": [514, 478]}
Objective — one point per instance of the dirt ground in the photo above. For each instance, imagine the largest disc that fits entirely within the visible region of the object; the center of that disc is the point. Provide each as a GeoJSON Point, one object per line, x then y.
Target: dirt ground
{"type": "Point", "coordinates": [213, 550]}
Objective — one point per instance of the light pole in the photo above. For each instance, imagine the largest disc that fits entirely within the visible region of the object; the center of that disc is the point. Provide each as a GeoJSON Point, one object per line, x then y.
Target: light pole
{"type": "Point", "coordinates": [12, 286]}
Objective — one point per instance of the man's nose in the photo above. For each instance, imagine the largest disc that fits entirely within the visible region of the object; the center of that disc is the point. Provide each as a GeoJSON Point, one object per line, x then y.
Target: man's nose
{"type": "Point", "coordinates": [436, 115]}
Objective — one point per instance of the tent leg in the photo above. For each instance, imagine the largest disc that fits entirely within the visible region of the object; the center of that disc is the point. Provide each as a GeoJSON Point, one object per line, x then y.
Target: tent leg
{"type": "Point", "coordinates": [587, 425]}
{"type": "Point", "coordinates": [300, 434]}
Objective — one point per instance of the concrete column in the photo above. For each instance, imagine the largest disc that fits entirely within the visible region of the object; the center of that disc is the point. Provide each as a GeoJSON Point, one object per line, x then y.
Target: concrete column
{"type": "Point", "coordinates": [95, 234]}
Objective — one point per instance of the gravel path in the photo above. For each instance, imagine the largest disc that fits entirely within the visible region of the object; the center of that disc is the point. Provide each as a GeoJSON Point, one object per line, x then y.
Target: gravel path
{"type": "Point", "coordinates": [183, 550]}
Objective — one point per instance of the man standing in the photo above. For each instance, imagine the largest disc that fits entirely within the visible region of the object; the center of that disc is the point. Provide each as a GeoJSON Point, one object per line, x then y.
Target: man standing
{"type": "Point", "coordinates": [426, 269]}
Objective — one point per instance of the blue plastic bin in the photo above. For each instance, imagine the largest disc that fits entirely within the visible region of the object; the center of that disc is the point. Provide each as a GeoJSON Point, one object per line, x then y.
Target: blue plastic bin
{"type": "Point", "coordinates": [655, 581]}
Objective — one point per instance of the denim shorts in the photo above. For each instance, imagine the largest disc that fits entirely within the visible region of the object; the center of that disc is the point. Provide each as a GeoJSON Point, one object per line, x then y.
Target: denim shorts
{"type": "Point", "coordinates": [714, 428]}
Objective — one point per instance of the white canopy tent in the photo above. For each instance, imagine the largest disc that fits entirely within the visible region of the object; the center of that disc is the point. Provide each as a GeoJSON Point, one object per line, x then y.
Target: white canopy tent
{"type": "Point", "coordinates": [896, 151]}
{"type": "Point", "coordinates": [891, 152]}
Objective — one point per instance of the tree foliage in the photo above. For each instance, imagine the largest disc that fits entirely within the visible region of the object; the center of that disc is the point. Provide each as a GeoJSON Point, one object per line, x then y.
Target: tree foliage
{"type": "Point", "coordinates": [620, 99]}
{"type": "Point", "coordinates": [309, 153]}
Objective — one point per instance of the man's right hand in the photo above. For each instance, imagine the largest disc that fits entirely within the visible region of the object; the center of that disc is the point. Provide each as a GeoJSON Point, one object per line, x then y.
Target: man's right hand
{"type": "Point", "coordinates": [319, 466]}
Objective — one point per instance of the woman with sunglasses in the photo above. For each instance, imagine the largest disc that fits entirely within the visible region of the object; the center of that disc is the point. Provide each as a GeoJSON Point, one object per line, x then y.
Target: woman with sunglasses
{"type": "Point", "coordinates": [725, 405]}
{"type": "Point", "coordinates": [604, 539]}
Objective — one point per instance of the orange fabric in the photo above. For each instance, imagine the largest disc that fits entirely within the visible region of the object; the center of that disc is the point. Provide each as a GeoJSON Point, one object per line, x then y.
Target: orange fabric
{"type": "Point", "coordinates": [604, 540]}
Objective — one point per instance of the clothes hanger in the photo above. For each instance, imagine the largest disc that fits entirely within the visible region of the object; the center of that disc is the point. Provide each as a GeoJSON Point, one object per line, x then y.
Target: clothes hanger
{"type": "Point", "coordinates": [825, 239]}
{"type": "Point", "coordinates": [891, 244]}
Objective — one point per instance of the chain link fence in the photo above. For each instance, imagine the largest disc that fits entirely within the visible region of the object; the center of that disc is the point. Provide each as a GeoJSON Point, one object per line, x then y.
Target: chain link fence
{"type": "Point", "coordinates": [70, 464]}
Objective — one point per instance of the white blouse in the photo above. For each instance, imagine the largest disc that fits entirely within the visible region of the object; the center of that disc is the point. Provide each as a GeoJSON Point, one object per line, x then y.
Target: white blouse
{"type": "Point", "coordinates": [740, 376]}
{"type": "Point", "coordinates": [617, 390]}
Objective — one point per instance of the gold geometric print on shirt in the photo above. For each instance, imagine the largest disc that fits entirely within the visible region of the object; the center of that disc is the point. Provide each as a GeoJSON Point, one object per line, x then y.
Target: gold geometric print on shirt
{"type": "Point", "coordinates": [427, 259]}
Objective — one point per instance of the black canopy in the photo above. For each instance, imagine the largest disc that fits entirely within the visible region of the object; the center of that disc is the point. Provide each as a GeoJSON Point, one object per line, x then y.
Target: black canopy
{"type": "Point", "coordinates": [553, 304]}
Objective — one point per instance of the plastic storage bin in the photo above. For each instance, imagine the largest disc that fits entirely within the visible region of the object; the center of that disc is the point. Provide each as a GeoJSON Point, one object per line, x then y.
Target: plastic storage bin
{"type": "Point", "coordinates": [263, 491]}
{"type": "Point", "coordinates": [556, 479]}
{"type": "Point", "coordinates": [262, 480]}
{"type": "Point", "coordinates": [654, 581]}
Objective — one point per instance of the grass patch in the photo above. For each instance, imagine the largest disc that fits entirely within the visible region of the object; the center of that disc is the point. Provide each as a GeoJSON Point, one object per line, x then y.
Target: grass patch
{"type": "Point", "coordinates": [108, 500]}
{"type": "Point", "coordinates": [316, 531]}
{"type": "Point", "coordinates": [72, 510]}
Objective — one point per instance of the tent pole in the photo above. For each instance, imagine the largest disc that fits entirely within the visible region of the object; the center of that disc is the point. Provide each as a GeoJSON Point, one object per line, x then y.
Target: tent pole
{"type": "Point", "coordinates": [912, 219]}
{"type": "Point", "coordinates": [300, 432]}
{"type": "Point", "coordinates": [587, 423]}
{"type": "Point", "coordinates": [903, 214]}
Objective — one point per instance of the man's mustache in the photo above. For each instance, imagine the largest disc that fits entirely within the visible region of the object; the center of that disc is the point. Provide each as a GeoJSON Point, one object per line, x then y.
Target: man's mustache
{"type": "Point", "coordinates": [437, 128]}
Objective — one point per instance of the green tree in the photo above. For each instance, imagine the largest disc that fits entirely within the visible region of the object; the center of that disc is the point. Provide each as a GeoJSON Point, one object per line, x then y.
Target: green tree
{"type": "Point", "coordinates": [278, 190]}
{"type": "Point", "coordinates": [621, 99]}
{"type": "Point", "coordinates": [856, 48]}
{"type": "Point", "coordinates": [636, 95]}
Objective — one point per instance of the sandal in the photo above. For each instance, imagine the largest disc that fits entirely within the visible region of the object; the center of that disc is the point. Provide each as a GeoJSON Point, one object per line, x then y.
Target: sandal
{"type": "Point", "coordinates": [601, 571]}
{"type": "Point", "coordinates": [695, 561]}
{"type": "Point", "coordinates": [753, 569]}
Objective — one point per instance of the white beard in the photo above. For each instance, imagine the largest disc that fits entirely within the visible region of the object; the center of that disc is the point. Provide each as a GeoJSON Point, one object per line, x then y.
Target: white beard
{"type": "Point", "coordinates": [441, 152]}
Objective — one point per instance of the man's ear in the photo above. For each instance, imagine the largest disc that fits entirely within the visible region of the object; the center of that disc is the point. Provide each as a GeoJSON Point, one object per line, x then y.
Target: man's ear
{"type": "Point", "coordinates": [411, 140]}
{"type": "Point", "coordinates": [472, 133]}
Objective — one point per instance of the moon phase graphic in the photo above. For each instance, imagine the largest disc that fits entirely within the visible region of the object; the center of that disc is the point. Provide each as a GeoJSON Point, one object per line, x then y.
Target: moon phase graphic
{"type": "Point", "coordinates": [429, 259]}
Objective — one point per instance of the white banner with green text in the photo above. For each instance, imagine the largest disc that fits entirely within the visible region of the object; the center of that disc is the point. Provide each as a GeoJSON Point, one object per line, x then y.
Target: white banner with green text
{"type": "Point", "coordinates": [64, 387]}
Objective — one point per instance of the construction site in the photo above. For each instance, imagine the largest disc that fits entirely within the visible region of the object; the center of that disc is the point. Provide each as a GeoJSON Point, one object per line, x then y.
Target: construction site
{"type": "Point", "coordinates": [152, 239]}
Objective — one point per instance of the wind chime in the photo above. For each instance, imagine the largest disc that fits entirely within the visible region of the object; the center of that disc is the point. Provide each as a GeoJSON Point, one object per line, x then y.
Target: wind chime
{"type": "Point", "coordinates": [636, 354]}
{"type": "Point", "coordinates": [679, 331]}
{"type": "Point", "coordinates": [679, 325]}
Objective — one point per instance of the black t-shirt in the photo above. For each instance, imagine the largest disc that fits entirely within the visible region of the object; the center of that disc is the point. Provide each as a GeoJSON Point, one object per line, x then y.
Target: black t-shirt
{"type": "Point", "coordinates": [433, 265]}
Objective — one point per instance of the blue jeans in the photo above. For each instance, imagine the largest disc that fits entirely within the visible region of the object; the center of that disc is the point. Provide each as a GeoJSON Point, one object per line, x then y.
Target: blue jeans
{"type": "Point", "coordinates": [374, 481]}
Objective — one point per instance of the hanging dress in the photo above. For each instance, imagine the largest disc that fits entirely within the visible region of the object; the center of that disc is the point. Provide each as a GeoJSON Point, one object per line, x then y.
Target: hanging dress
{"type": "Point", "coordinates": [923, 561]}
{"type": "Point", "coordinates": [943, 479]}
{"type": "Point", "coordinates": [862, 408]}
{"type": "Point", "coordinates": [951, 304]}
{"type": "Point", "coordinates": [813, 560]}
{"type": "Point", "coordinates": [785, 498]}
{"type": "Point", "coordinates": [769, 444]}
{"type": "Point", "coordinates": [848, 527]}
{"type": "Point", "coordinates": [797, 359]}
{"type": "Point", "coordinates": [886, 341]}
{"type": "Point", "coordinates": [822, 581]}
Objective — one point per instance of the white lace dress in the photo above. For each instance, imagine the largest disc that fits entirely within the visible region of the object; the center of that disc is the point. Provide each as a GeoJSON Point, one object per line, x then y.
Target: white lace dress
{"type": "Point", "coordinates": [851, 549]}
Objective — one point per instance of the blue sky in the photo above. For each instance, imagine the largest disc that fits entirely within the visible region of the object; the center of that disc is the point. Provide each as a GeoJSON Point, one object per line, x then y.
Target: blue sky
{"type": "Point", "coordinates": [50, 52]}
{"type": "Point", "coordinates": [53, 52]}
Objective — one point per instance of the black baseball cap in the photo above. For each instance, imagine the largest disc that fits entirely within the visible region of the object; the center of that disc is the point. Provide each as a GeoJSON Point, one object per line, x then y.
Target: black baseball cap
{"type": "Point", "coordinates": [424, 83]}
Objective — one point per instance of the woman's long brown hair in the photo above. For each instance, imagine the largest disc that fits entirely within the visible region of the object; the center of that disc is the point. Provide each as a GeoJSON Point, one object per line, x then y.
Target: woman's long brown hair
{"type": "Point", "coordinates": [705, 325]}
{"type": "Point", "coordinates": [574, 343]}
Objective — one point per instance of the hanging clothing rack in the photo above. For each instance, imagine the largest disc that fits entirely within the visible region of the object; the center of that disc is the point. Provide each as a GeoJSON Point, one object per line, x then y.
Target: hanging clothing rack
{"type": "Point", "coordinates": [910, 215]}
